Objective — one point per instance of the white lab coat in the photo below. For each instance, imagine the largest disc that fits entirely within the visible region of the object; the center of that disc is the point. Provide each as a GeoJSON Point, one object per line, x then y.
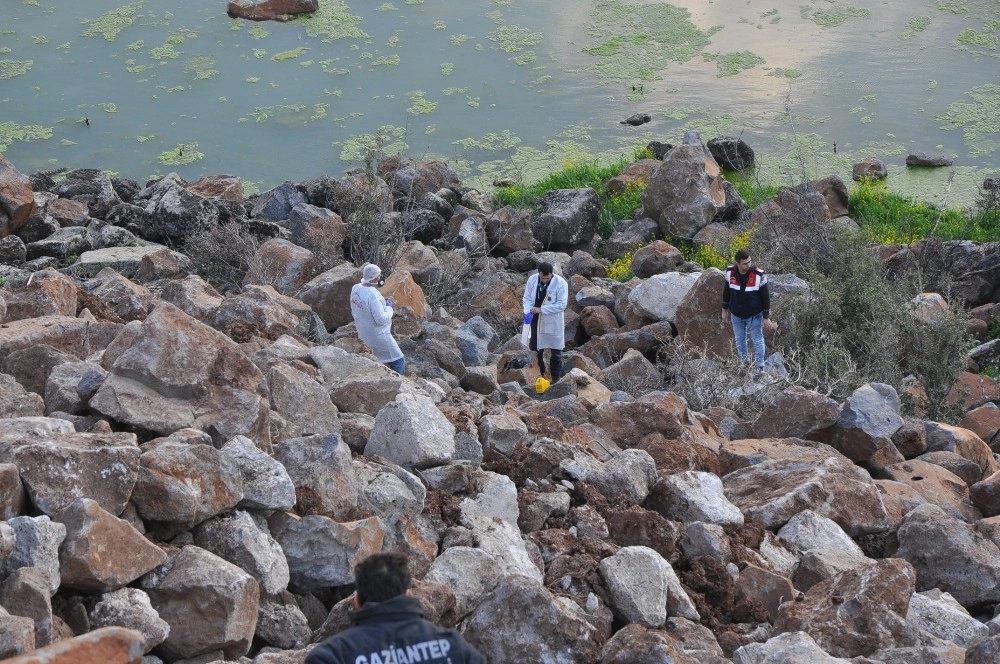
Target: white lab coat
{"type": "Point", "coordinates": [373, 319]}
{"type": "Point", "coordinates": [551, 325]}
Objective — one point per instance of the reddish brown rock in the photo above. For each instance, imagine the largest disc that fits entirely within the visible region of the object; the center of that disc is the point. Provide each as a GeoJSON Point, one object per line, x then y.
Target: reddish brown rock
{"type": "Point", "coordinates": [796, 412]}
{"type": "Point", "coordinates": [220, 187]}
{"type": "Point", "coordinates": [985, 423]}
{"type": "Point", "coordinates": [17, 201]}
{"type": "Point", "coordinates": [656, 258]}
{"type": "Point", "coordinates": [973, 390]}
{"type": "Point", "coordinates": [108, 645]}
{"type": "Point", "coordinates": [634, 176]}
{"type": "Point", "coordinates": [840, 614]}
{"type": "Point", "coordinates": [937, 485]}
{"type": "Point", "coordinates": [270, 10]}
{"type": "Point", "coordinates": [48, 293]}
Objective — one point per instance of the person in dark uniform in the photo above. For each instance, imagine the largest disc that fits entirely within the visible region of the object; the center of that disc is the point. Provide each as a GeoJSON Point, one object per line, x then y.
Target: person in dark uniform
{"type": "Point", "coordinates": [746, 303]}
{"type": "Point", "coordinates": [389, 625]}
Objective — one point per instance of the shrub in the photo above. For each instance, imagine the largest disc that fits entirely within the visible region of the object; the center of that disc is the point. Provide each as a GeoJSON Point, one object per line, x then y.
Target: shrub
{"type": "Point", "coordinates": [621, 268]}
{"type": "Point", "coordinates": [223, 255]}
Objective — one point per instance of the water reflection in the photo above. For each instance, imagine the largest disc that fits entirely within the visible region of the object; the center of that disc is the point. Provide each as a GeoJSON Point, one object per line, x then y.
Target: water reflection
{"type": "Point", "coordinates": [508, 86]}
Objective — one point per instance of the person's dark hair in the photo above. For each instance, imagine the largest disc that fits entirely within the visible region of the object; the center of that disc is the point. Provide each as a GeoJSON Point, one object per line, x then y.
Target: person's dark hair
{"type": "Point", "coordinates": [545, 268]}
{"type": "Point", "coordinates": [742, 255]}
{"type": "Point", "coordinates": [381, 577]}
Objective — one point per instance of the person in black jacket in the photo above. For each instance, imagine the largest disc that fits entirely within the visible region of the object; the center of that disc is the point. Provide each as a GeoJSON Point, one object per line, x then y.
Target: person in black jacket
{"type": "Point", "coordinates": [389, 626]}
{"type": "Point", "coordinates": [746, 303]}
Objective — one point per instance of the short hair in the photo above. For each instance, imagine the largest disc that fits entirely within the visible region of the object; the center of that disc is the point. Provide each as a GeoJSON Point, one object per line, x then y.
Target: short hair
{"type": "Point", "coordinates": [380, 577]}
{"type": "Point", "coordinates": [545, 268]}
{"type": "Point", "coordinates": [742, 255]}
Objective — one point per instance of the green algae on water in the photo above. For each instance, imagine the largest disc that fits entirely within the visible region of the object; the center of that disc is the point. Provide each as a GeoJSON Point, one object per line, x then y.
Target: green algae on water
{"type": "Point", "coordinates": [514, 38]}
{"type": "Point", "coordinates": [447, 68]}
{"type": "Point", "coordinates": [785, 72]}
{"type": "Point", "coordinates": [831, 18]}
{"type": "Point", "coordinates": [108, 107]}
{"type": "Point", "coordinates": [289, 55]}
{"type": "Point", "coordinates": [10, 132]}
{"type": "Point", "coordinates": [418, 104]}
{"type": "Point", "coordinates": [970, 38]}
{"type": "Point", "coordinates": [258, 31]}
{"type": "Point", "coordinates": [458, 40]}
{"type": "Point", "coordinates": [386, 7]}
{"type": "Point", "coordinates": [183, 154]}
{"type": "Point", "coordinates": [978, 118]}
{"type": "Point", "coordinates": [202, 67]}
{"type": "Point", "coordinates": [731, 64]}
{"type": "Point", "coordinates": [109, 25]}
{"type": "Point", "coordinates": [333, 21]}
{"type": "Point", "coordinates": [632, 39]}
{"type": "Point", "coordinates": [387, 140]}
{"type": "Point", "coordinates": [386, 61]}
{"type": "Point", "coordinates": [39, 39]}
{"type": "Point", "coordinates": [11, 68]}
{"type": "Point", "coordinates": [914, 25]}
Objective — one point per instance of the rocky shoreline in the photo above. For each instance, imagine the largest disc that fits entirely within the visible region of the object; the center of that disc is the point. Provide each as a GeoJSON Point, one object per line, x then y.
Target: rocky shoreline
{"type": "Point", "coordinates": [188, 474]}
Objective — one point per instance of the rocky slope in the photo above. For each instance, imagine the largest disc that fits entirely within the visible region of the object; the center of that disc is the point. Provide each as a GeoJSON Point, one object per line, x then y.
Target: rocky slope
{"type": "Point", "coordinates": [188, 475]}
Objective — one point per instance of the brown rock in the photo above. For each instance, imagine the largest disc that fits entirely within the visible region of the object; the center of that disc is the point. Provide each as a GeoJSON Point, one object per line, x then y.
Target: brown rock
{"type": "Point", "coordinates": [985, 423]}
{"type": "Point", "coordinates": [127, 299]}
{"type": "Point", "coordinates": [17, 201]}
{"type": "Point", "coordinates": [762, 586]}
{"type": "Point", "coordinates": [329, 294]}
{"type": "Point", "coordinates": [193, 296]}
{"type": "Point", "coordinates": [283, 265]}
{"type": "Point", "coordinates": [67, 212]}
{"type": "Point", "coordinates": [15, 401]}
{"type": "Point", "coordinates": [270, 10]}
{"type": "Point", "coordinates": [796, 412]}
{"type": "Point", "coordinates": [209, 603]}
{"type": "Point", "coordinates": [181, 373]}
{"type": "Point", "coordinates": [404, 292]}
{"type": "Point", "coordinates": [974, 390]}
{"type": "Point", "coordinates": [937, 485]}
{"type": "Point", "coordinates": [699, 316]}
{"type": "Point", "coordinates": [47, 293]}
{"type": "Point", "coordinates": [219, 187]}
{"type": "Point", "coordinates": [27, 592]}
{"type": "Point", "coordinates": [161, 264]}
{"type": "Point", "coordinates": [108, 645]}
{"type": "Point", "coordinates": [259, 311]}
{"type": "Point", "coordinates": [986, 495]}
{"type": "Point", "coordinates": [634, 176]}
{"type": "Point", "coordinates": [656, 258]}
{"type": "Point", "coordinates": [102, 552]}
{"type": "Point", "coordinates": [685, 193]}
{"type": "Point", "coordinates": [840, 613]}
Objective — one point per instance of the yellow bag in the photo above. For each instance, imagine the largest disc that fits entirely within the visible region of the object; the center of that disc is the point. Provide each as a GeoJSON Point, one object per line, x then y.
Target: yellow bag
{"type": "Point", "coordinates": [541, 385]}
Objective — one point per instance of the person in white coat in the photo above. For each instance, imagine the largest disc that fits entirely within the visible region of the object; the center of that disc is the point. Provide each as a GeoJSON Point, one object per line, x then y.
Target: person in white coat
{"type": "Point", "coordinates": [545, 297]}
{"type": "Point", "coordinates": [373, 317]}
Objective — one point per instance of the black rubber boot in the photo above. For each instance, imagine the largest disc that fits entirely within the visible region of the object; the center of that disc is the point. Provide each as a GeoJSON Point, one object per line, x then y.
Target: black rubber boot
{"type": "Point", "coordinates": [541, 363]}
{"type": "Point", "coordinates": [556, 360]}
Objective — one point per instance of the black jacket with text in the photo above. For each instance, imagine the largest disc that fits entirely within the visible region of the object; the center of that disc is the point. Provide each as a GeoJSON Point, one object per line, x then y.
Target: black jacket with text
{"type": "Point", "coordinates": [394, 632]}
{"type": "Point", "coordinates": [746, 295]}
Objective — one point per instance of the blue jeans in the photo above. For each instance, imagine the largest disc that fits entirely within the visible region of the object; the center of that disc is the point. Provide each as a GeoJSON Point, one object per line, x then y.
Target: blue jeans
{"type": "Point", "coordinates": [754, 328]}
{"type": "Point", "coordinates": [399, 366]}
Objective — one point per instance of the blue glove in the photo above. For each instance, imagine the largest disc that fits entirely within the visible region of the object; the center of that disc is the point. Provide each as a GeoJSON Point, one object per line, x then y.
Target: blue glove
{"type": "Point", "coordinates": [527, 318]}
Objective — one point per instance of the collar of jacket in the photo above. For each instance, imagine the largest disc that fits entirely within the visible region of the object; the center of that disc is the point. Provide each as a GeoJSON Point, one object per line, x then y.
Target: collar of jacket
{"type": "Point", "coordinates": [402, 607]}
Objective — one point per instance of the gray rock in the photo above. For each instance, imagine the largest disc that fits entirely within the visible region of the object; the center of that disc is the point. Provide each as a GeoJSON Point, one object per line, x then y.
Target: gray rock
{"type": "Point", "coordinates": [282, 624]}
{"type": "Point", "coordinates": [698, 496]}
{"type": "Point", "coordinates": [25, 592]}
{"type": "Point", "coordinates": [471, 574]}
{"type": "Point", "coordinates": [130, 608]}
{"type": "Point", "coordinates": [413, 433]}
{"type": "Point", "coordinates": [635, 578]}
{"type": "Point", "coordinates": [266, 483]}
{"type": "Point", "coordinates": [71, 385]}
{"type": "Point", "coordinates": [320, 468]}
{"type": "Point", "coordinates": [238, 538]}
{"type": "Point", "coordinates": [36, 544]}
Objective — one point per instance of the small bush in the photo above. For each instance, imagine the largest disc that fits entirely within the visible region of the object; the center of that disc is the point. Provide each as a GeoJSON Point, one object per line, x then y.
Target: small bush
{"type": "Point", "coordinates": [223, 255]}
{"type": "Point", "coordinates": [621, 268]}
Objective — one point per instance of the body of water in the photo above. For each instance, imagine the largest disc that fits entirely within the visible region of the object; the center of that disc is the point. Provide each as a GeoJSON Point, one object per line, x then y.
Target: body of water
{"type": "Point", "coordinates": [506, 87]}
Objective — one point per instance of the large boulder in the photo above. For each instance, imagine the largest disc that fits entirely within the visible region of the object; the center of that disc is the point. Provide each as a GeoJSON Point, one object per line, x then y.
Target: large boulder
{"type": "Point", "coordinates": [47, 293]}
{"type": "Point", "coordinates": [699, 316]}
{"type": "Point", "coordinates": [180, 373]}
{"type": "Point", "coordinates": [321, 552]}
{"type": "Point", "coordinates": [566, 218]}
{"type": "Point", "coordinates": [300, 406]}
{"type": "Point", "coordinates": [320, 468]}
{"type": "Point", "coordinates": [17, 202]}
{"type": "Point", "coordinates": [329, 294]}
{"type": "Point", "coordinates": [686, 192]}
{"type": "Point", "coordinates": [130, 608]}
{"type": "Point", "coordinates": [102, 552]}
{"type": "Point", "coordinates": [951, 555]}
{"type": "Point", "coordinates": [413, 433]}
{"type": "Point", "coordinates": [184, 483]}
{"type": "Point", "coordinates": [240, 539]}
{"type": "Point", "coordinates": [90, 186]}
{"type": "Point", "coordinates": [660, 295]}
{"type": "Point", "coordinates": [210, 604]}
{"type": "Point", "coordinates": [522, 621]}
{"type": "Point", "coordinates": [841, 614]}
{"type": "Point", "coordinates": [636, 579]}
{"type": "Point", "coordinates": [174, 213]}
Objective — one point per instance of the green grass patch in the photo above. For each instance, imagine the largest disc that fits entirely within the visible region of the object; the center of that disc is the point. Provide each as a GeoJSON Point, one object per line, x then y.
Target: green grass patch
{"type": "Point", "coordinates": [289, 55]}
{"type": "Point", "coordinates": [183, 154]}
{"type": "Point", "coordinates": [887, 218]}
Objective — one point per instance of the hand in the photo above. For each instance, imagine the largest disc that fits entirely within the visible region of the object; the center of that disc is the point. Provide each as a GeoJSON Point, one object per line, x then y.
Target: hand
{"type": "Point", "coordinates": [536, 310]}
{"type": "Point", "coordinates": [725, 315]}
{"type": "Point", "coordinates": [389, 303]}
{"type": "Point", "coordinates": [770, 325]}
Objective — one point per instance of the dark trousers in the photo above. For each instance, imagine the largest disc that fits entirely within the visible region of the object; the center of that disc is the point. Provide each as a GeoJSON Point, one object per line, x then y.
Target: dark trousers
{"type": "Point", "coordinates": [555, 361]}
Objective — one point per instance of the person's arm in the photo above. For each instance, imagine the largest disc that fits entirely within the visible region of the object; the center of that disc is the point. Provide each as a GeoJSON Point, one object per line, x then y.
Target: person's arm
{"type": "Point", "coordinates": [560, 298]}
{"type": "Point", "coordinates": [528, 299]}
{"type": "Point", "coordinates": [725, 298]}
{"type": "Point", "coordinates": [380, 313]}
{"type": "Point", "coordinates": [765, 296]}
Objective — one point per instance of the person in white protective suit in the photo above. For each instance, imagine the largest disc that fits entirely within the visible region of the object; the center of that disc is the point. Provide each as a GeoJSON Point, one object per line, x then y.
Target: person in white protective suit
{"type": "Point", "coordinates": [373, 317]}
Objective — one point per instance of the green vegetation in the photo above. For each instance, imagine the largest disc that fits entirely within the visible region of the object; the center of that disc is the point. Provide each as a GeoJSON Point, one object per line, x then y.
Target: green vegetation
{"type": "Point", "coordinates": [289, 55]}
{"type": "Point", "coordinates": [11, 68]}
{"type": "Point", "coordinates": [183, 154]}
{"type": "Point", "coordinates": [731, 64]}
{"type": "Point", "coordinates": [914, 25]}
{"type": "Point", "coordinates": [10, 132]}
{"type": "Point", "coordinates": [109, 25]}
